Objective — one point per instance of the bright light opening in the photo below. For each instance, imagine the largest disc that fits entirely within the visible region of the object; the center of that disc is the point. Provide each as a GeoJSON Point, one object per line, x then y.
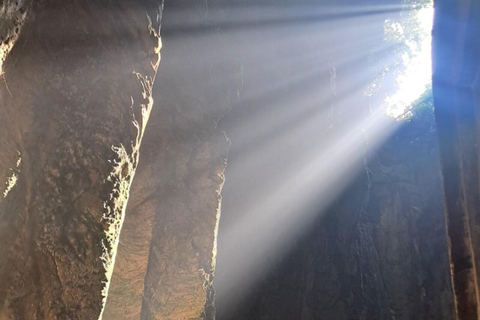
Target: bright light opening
{"type": "Point", "coordinates": [412, 67]}
{"type": "Point", "coordinates": [416, 76]}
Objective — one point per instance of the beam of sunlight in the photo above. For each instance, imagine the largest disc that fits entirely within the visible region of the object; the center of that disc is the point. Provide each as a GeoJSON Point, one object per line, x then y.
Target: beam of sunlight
{"type": "Point", "coordinates": [257, 15]}
{"type": "Point", "coordinates": [271, 225]}
{"type": "Point", "coordinates": [290, 100]}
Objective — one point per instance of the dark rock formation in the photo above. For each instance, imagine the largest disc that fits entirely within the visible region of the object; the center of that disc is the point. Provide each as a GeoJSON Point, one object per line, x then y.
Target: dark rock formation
{"type": "Point", "coordinates": [456, 51]}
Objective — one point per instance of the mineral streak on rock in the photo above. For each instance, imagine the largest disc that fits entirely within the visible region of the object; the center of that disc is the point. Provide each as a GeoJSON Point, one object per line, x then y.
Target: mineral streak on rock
{"type": "Point", "coordinates": [122, 175]}
{"type": "Point", "coordinates": [12, 180]}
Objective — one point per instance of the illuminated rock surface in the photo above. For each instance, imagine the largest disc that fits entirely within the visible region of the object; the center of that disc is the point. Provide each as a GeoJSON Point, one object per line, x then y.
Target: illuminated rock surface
{"type": "Point", "coordinates": [174, 208]}
{"type": "Point", "coordinates": [74, 104]}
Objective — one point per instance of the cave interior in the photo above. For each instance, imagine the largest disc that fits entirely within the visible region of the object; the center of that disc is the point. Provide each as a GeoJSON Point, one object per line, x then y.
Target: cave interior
{"type": "Point", "coordinates": [239, 160]}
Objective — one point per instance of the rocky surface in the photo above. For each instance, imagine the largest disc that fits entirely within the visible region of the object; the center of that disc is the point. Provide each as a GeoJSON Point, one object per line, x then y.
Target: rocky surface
{"type": "Point", "coordinates": [167, 251]}
{"type": "Point", "coordinates": [12, 18]}
{"type": "Point", "coordinates": [456, 63]}
{"type": "Point", "coordinates": [13, 14]}
{"type": "Point", "coordinates": [76, 96]}
{"type": "Point", "coordinates": [76, 99]}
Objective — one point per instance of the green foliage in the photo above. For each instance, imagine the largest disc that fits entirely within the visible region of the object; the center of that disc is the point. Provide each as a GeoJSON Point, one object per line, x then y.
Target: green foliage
{"type": "Point", "coordinates": [423, 105]}
{"type": "Point", "coordinates": [421, 108]}
{"type": "Point", "coordinates": [406, 33]}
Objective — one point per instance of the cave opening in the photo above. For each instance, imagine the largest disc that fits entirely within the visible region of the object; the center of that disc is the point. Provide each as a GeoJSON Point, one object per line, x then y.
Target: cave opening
{"type": "Point", "coordinates": [413, 69]}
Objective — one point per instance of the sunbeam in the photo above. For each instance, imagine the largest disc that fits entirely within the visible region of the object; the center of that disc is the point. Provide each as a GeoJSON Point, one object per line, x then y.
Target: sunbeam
{"type": "Point", "coordinates": [303, 125]}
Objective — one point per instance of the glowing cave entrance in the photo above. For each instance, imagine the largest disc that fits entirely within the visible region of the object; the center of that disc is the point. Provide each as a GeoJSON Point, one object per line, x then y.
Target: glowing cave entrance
{"type": "Point", "coordinates": [410, 70]}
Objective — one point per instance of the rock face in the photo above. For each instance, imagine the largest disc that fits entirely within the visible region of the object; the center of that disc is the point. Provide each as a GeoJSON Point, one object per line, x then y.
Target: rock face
{"type": "Point", "coordinates": [13, 14]}
{"type": "Point", "coordinates": [75, 100]}
{"type": "Point", "coordinates": [11, 22]}
{"type": "Point", "coordinates": [380, 251]}
{"type": "Point", "coordinates": [456, 67]}
{"type": "Point", "coordinates": [166, 258]}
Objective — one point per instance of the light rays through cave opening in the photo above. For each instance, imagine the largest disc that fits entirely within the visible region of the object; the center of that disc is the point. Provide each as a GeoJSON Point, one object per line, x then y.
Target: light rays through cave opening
{"type": "Point", "coordinates": [322, 87]}
{"type": "Point", "coordinates": [413, 65]}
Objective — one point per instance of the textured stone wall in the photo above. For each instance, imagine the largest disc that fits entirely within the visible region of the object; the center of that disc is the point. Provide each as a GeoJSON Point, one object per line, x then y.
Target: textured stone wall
{"type": "Point", "coordinates": [75, 101]}
{"type": "Point", "coordinates": [11, 22]}
{"type": "Point", "coordinates": [456, 65]}
{"type": "Point", "coordinates": [167, 250]}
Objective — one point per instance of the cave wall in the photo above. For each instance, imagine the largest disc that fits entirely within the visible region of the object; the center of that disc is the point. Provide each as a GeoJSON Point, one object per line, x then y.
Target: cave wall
{"type": "Point", "coordinates": [76, 95]}
{"type": "Point", "coordinates": [456, 65]}
{"type": "Point", "coordinates": [75, 98]}
{"type": "Point", "coordinates": [167, 252]}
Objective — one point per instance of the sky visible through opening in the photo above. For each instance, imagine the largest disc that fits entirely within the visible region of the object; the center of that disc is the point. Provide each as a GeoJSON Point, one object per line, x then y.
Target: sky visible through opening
{"type": "Point", "coordinates": [415, 76]}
